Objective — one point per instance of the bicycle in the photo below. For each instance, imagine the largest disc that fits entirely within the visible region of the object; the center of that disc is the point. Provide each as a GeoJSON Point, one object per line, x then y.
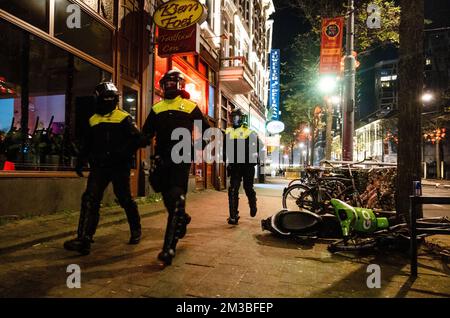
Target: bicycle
{"type": "Point", "coordinates": [316, 197]}
{"type": "Point", "coordinates": [364, 229]}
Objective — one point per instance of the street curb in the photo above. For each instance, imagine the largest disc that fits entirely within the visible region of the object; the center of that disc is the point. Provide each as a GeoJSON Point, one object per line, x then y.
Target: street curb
{"type": "Point", "coordinates": [16, 247]}
{"type": "Point", "coordinates": [436, 185]}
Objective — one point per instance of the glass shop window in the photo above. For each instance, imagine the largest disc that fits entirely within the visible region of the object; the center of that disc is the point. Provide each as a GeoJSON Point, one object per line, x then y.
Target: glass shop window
{"type": "Point", "coordinates": [34, 12]}
{"type": "Point", "coordinates": [89, 36]}
{"type": "Point", "coordinates": [211, 101]}
{"type": "Point", "coordinates": [45, 102]}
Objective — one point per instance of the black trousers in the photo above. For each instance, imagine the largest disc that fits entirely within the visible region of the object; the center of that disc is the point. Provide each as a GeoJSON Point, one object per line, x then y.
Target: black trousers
{"type": "Point", "coordinates": [245, 173]}
{"type": "Point", "coordinates": [238, 173]}
{"type": "Point", "coordinates": [174, 189]}
{"type": "Point", "coordinates": [98, 180]}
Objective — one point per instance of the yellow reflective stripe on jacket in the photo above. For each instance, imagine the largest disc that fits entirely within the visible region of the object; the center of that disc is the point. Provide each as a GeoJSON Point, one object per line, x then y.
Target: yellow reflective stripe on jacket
{"type": "Point", "coordinates": [239, 133]}
{"type": "Point", "coordinates": [114, 117]}
{"type": "Point", "coordinates": [179, 104]}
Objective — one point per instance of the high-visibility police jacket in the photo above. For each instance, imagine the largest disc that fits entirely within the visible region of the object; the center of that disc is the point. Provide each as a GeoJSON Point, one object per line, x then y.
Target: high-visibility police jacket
{"type": "Point", "coordinates": [168, 115]}
{"type": "Point", "coordinates": [241, 146]}
{"type": "Point", "coordinates": [111, 140]}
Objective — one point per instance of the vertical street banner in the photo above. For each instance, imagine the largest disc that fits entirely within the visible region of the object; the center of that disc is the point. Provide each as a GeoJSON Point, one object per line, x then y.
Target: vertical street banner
{"type": "Point", "coordinates": [274, 96]}
{"type": "Point", "coordinates": [331, 45]}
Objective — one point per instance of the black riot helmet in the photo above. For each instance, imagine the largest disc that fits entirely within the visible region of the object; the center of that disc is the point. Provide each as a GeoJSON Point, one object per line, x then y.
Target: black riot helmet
{"type": "Point", "coordinates": [106, 98]}
{"type": "Point", "coordinates": [237, 118]}
{"type": "Point", "coordinates": [173, 84]}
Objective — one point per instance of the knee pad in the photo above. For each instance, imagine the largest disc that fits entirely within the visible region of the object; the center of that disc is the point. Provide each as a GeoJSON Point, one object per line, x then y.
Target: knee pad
{"type": "Point", "coordinates": [176, 198]}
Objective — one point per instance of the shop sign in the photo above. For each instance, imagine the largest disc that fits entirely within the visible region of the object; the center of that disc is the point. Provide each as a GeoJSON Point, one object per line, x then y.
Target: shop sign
{"type": "Point", "coordinates": [275, 127]}
{"type": "Point", "coordinates": [179, 14]}
{"type": "Point", "coordinates": [172, 42]}
{"type": "Point", "coordinates": [331, 46]}
{"type": "Point", "coordinates": [274, 95]}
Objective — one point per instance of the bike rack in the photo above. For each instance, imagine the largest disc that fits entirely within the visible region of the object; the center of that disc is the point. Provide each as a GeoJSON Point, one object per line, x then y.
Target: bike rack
{"type": "Point", "coordinates": [363, 162]}
{"type": "Point", "coordinates": [415, 201]}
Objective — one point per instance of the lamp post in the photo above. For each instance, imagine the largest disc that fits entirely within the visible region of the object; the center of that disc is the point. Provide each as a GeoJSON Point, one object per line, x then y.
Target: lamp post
{"type": "Point", "coordinates": [307, 131]}
{"type": "Point", "coordinates": [301, 146]}
{"type": "Point", "coordinates": [349, 87]}
{"type": "Point", "coordinates": [279, 155]}
{"type": "Point", "coordinates": [327, 86]}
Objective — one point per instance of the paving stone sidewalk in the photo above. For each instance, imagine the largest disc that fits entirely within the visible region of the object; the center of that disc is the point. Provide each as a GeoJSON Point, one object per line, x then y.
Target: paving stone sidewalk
{"type": "Point", "coordinates": [213, 260]}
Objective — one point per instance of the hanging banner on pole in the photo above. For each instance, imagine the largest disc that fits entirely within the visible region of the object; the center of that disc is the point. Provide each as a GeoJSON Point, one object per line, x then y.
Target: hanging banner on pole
{"type": "Point", "coordinates": [331, 45]}
{"type": "Point", "coordinates": [274, 96]}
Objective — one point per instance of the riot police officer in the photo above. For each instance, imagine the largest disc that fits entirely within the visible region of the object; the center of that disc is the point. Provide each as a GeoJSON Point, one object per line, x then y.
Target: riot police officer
{"type": "Point", "coordinates": [168, 176]}
{"type": "Point", "coordinates": [109, 145]}
{"type": "Point", "coordinates": [241, 148]}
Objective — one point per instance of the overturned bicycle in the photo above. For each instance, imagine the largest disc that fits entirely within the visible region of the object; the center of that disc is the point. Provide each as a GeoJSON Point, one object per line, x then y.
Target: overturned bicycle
{"type": "Point", "coordinates": [354, 228]}
{"type": "Point", "coordinates": [342, 219]}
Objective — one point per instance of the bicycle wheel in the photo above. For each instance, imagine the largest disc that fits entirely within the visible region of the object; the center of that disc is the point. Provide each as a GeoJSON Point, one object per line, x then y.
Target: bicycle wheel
{"type": "Point", "coordinates": [350, 196]}
{"type": "Point", "coordinates": [294, 181]}
{"type": "Point", "coordinates": [298, 197]}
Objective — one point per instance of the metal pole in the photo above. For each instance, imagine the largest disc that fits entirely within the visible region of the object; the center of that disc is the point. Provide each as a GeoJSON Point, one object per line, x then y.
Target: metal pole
{"type": "Point", "coordinates": [413, 234]}
{"type": "Point", "coordinates": [349, 87]}
{"type": "Point", "coordinates": [279, 158]}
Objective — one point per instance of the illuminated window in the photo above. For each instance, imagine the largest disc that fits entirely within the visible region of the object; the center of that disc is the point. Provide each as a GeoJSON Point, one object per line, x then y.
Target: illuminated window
{"type": "Point", "coordinates": [195, 85]}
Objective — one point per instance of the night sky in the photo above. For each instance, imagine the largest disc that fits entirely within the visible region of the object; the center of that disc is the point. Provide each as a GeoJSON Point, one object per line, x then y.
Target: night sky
{"type": "Point", "coordinates": [288, 22]}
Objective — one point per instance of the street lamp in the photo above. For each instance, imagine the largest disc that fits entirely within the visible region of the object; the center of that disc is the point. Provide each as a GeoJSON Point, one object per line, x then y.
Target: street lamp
{"type": "Point", "coordinates": [327, 84]}
{"type": "Point", "coordinates": [427, 97]}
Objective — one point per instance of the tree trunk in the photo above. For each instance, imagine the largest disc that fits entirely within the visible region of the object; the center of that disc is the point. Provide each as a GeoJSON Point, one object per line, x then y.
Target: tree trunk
{"type": "Point", "coordinates": [409, 102]}
{"type": "Point", "coordinates": [329, 137]}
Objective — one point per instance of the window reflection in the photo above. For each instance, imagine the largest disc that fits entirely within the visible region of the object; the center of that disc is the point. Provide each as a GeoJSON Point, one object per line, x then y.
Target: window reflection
{"type": "Point", "coordinates": [45, 99]}
{"type": "Point", "coordinates": [34, 12]}
{"type": "Point", "coordinates": [91, 37]}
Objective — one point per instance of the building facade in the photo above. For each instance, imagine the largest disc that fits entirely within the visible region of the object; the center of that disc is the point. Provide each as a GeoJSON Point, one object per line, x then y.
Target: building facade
{"type": "Point", "coordinates": [377, 135]}
{"type": "Point", "coordinates": [245, 45]}
{"type": "Point", "coordinates": [54, 52]}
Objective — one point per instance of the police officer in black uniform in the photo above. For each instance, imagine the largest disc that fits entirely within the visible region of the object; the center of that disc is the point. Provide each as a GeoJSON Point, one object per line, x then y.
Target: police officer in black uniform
{"type": "Point", "coordinates": [109, 145]}
{"type": "Point", "coordinates": [241, 148]}
{"type": "Point", "coordinates": [167, 176]}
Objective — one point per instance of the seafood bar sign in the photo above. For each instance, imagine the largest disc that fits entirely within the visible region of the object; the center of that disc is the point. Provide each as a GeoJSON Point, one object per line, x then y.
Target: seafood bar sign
{"type": "Point", "coordinates": [178, 27]}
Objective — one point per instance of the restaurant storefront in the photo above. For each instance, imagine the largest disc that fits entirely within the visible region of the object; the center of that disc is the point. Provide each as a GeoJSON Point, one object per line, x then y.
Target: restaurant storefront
{"type": "Point", "coordinates": [53, 54]}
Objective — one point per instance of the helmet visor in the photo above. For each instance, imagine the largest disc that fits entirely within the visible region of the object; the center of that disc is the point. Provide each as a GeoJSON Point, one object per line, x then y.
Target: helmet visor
{"type": "Point", "coordinates": [170, 85]}
{"type": "Point", "coordinates": [236, 119]}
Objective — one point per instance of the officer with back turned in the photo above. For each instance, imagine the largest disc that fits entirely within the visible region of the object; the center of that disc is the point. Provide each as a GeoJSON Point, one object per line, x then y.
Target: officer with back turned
{"type": "Point", "coordinates": [109, 146]}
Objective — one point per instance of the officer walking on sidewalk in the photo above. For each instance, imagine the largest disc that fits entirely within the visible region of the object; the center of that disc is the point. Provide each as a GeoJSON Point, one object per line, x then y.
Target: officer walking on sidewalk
{"type": "Point", "coordinates": [242, 149]}
{"type": "Point", "coordinates": [109, 146]}
{"type": "Point", "coordinates": [168, 176]}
